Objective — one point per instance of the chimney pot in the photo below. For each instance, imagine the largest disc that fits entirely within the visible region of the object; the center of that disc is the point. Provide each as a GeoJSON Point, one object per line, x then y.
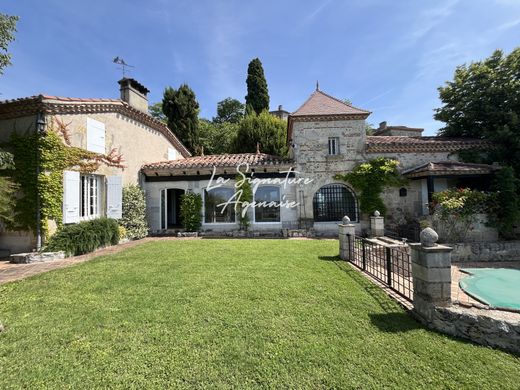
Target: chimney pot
{"type": "Point", "coordinates": [280, 107]}
{"type": "Point", "coordinates": [134, 93]}
{"type": "Point", "coordinates": [382, 125]}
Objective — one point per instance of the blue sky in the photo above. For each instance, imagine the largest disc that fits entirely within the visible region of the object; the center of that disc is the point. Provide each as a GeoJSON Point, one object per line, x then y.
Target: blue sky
{"type": "Point", "coordinates": [387, 56]}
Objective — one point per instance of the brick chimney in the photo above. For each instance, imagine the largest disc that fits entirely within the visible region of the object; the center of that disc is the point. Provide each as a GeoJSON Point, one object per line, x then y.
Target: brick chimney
{"type": "Point", "coordinates": [134, 93]}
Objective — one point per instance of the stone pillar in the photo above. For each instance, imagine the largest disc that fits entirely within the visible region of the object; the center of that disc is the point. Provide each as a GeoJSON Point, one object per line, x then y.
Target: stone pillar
{"type": "Point", "coordinates": [347, 231]}
{"type": "Point", "coordinates": [377, 225]}
{"type": "Point", "coordinates": [431, 271]}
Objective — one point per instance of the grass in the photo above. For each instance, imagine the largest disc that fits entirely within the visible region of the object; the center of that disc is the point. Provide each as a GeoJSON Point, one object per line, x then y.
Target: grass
{"type": "Point", "coordinates": [223, 314]}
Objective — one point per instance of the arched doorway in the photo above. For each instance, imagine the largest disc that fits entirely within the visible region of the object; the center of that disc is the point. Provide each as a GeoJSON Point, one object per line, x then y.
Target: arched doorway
{"type": "Point", "coordinates": [332, 202]}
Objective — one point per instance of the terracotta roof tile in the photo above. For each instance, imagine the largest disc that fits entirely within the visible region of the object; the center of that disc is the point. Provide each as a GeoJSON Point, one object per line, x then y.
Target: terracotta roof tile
{"type": "Point", "coordinates": [219, 160]}
{"type": "Point", "coordinates": [406, 144]}
{"type": "Point", "coordinates": [449, 168]}
{"type": "Point", "coordinates": [320, 103]}
{"type": "Point", "coordinates": [56, 105]}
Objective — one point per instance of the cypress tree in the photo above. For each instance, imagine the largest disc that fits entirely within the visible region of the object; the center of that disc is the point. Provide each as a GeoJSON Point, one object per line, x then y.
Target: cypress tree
{"type": "Point", "coordinates": [182, 111]}
{"type": "Point", "coordinates": [257, 96]}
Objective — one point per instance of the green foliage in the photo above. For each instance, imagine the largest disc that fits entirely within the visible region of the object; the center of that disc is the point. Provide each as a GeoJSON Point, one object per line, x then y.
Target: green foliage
{"type": "Point", "coordinates": [182, 110]}
{"type": "Point", "coordinates": [156, 110]}
{"type": "Point", "coordinates": [191, 211]}
{"type": "Point", "coordinates": [506, 214]}
{"type": "Point", "coordinates": [7, 30]}
{"type": "Point", "coordinates": [84, 237]}
{"type": "Point", "coordinates": [483, 101]}
{"type": "Point", "coordinates": [217, 138]}
{"type": "Point", "coordinates": [229, 110]}
{"type": "Point", "coordinates": [246, 195]}
{"type": "Point", "coordinates": [370, 179]}
{"type": "Point", "coordinates": [455, 211]}
{"type": "Point", "coordinates": [7, 189]}
{"type": "Point", "coordinates": [268, 131]}
{"type": "Point", "coordinates": [134, 213]}
{"type": "Point", "coordinates": [257, 94]}
{"type": "Point", "coordinates": [6, 160]}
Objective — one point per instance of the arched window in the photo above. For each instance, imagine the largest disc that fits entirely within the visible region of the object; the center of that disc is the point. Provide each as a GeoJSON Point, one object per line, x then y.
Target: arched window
{"type": "Point", "coordinates": [332, 202]}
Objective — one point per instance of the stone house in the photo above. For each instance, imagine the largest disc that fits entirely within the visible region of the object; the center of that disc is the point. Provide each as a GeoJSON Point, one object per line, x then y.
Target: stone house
{"type": "Point", "coordinates": [326, 136]}
{"type": "Point", "coordinates": [106, 127]}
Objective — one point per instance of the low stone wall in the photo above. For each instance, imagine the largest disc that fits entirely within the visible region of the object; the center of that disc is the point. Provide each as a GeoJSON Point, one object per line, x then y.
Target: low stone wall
{"type": "Point", "coordinates": [35, 257]}
{"type": "Point", "coordinates": [485, 251]}
{"type": "Point", "coordinates": [474, 325]}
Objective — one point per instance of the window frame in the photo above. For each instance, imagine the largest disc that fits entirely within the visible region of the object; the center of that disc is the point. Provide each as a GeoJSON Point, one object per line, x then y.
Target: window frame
{"type": "Point", "coordinates": [205, 193]}
{"type": "Point", "coordinates": [85, 192]}
{"type": "Point", "coordinates": [279, 207]}
{"type": "Point", "coordinates": [333, 145]}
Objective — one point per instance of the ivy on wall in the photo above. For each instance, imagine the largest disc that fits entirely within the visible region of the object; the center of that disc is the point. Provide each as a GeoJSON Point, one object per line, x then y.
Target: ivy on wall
{"type": "Point", "coordinates": [370, 179]}
{"type": "Point", "coordinates": [52, 153]}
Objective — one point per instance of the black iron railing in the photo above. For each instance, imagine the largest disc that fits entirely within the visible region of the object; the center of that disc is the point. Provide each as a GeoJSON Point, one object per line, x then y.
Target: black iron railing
{"type": "Point", "coordinates": [390, 265]}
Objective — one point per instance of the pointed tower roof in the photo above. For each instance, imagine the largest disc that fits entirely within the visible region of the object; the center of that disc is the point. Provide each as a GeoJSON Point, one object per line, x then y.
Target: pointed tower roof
{"type": "Point", "coordinates": [320, 103]}
{"type": "Point", "coordinates": [323, 107]}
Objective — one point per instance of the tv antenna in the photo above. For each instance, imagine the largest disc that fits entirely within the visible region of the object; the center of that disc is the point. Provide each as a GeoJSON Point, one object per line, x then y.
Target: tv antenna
{"type": "Point", "coordinates": [119, 61]}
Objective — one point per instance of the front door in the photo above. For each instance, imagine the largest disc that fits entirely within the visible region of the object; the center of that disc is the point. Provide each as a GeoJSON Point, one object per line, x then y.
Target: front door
{"type": "Point", "coordinates": [170, 208]}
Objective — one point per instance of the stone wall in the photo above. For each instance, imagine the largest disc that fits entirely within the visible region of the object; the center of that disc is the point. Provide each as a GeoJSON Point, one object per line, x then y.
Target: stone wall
{"type": "Point", "coordinates": [485, 251]}
{"type": "Point", "coordinates": [475, 325]}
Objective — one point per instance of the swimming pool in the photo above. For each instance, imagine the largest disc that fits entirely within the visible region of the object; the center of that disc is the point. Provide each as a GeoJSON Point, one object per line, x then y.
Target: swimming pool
{"type": "Point", "coordinates": [497, 287]}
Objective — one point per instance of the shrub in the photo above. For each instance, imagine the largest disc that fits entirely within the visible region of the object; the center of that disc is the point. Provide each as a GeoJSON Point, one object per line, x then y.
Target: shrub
{"type": "Point", "coordinates": [134, 213]}
{"type": "Point", "coordinates": [191, 211]}
{"type": "Point", "coordinates": [85, 237]}
{"type": "Point", "coordinates": [246, 195]}
{"type": "Point", "coordinates": [505, 214]}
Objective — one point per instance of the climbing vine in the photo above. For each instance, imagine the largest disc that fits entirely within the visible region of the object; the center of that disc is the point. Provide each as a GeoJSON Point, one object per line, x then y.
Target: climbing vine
{"type": "Point", "coordinates": [370, 179]}
{"type": "Point", "coordinates": [55, 154]}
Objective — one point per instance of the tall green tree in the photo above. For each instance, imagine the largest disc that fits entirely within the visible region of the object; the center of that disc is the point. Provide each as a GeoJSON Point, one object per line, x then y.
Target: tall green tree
{"type": "Point", "coordinates": [229, 110]}
{"type": "Point", "coordinates": [257, 97]}
{"type": "Point", "coordinates": [7, 30]}
{"type": "Point", "coordinates": [182, 112]}
{"type": "Point", "coordinates": [217, 138]}
{"type": "Point", "coordinates": [483, 101]}
{"type": "Point", "coordinates": [266, 130]}
{"type": "Point", "coordinates": [156, 111]}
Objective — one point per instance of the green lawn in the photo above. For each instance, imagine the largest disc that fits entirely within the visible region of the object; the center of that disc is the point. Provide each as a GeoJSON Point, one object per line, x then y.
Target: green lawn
{"type": "Point", "coordinates": [222, 314]}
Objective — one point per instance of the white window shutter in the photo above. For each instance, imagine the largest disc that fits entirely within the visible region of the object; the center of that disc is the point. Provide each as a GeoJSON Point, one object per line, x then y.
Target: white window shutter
{"type": "Point", "coordinates": [172, 154]}
{"type": "Point", "coordinates": [71, 188]}
{"type": "Point", "coordinates": [95, 136]}
{"type": "Point", "coordinates": [114, 197]}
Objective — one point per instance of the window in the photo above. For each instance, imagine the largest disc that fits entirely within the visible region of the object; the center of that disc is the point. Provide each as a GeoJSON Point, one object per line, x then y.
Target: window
{"type": "Point", "coordinates": [269, 208]}
{"type": "Point", "coordinates": [332, 202]}
{"type": "Point", "coordinates": [218, 214]}
{"type": "Point", "coordinates": [90, 190]}
{"type": "Point", "coordinates": [95, 136]}
{"type": "Point", "coordinates": [333, 146]}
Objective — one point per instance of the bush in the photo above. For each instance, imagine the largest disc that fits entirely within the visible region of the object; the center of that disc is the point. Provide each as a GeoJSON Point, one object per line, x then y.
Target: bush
{"type": "Point", "coordinates": [85, 237]}
{"type": "Point", "coordinates": [505, 214]}
{"type": "Point", "coordinates": [191, 211]}
{"type": "Point", "coordinates": [134, 213]}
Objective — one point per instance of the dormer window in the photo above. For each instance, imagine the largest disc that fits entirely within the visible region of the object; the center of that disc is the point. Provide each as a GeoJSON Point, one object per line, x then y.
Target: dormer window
{"type": "Point", "coordinates": [333, 146]}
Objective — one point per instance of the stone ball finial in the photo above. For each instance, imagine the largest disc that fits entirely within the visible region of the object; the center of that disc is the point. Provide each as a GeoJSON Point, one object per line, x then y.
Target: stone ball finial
{"type": "Point", "coordinates": [345, 220]}
{"type": "Point", "coordinates": [377, 213]}
{"type": "Point", "coordinates": [428, 237]}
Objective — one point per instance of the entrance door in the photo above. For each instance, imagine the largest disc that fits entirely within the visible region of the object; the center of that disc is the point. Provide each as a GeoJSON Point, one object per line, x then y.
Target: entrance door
{"type": "Point", "coordinates": [171, 208]}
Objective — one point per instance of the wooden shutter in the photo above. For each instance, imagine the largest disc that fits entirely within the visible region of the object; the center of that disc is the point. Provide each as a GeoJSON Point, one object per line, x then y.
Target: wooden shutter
{"type": "Point", "coordinates": [71, 197]}
{"type": "Point", "coordinates": [172, 154]}
{"type": "Point", "coordinates": [95, 136]}
{"type": "Point", "coordinates": [114, 197]}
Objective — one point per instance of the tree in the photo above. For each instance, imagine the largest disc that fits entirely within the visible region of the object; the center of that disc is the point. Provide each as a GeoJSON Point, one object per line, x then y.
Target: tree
{"type": "Point", "coordinates": [506, 211]}
{"type": "Point", "coordinates": [7, 189]}
{"type": "Point", "coordinates": [264, 129]}
{"type": "Point", "coordinates": [182, 112]}
{"type": "Point", "coordinates": [483, 101]}
{"type": "Point", "coordinates": [257, 94]}
{"type": "Point", "coordinates": [156, 111]}
{"type": "Point", "coordinates": [229, 110]}
{"type": "Point", "coordinates": [217, 138]}
{"type": "Point", "coordinates": [7, 30]}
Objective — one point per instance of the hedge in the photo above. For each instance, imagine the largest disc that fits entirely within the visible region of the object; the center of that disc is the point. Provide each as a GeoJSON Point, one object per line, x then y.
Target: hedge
{"type": "Point", "coordinates": [84, 237]}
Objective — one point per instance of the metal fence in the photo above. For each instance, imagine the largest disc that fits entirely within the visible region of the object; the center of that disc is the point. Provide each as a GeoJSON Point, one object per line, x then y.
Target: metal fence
{"type": "Point", "coordinates": [390, 265]}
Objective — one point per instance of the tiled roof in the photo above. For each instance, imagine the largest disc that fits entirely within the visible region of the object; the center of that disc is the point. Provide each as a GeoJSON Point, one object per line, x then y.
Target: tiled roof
{"type": "Point", "coordinates": [449, 168]}
{"type": "Point", "coordinates": [404, 144]}
{"type": "Point", "coordinates": [56, 105]}
{"type": "Point", "coordinates": [320, 103]}
{"type": "Point", "coordinates": [219, 160]}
